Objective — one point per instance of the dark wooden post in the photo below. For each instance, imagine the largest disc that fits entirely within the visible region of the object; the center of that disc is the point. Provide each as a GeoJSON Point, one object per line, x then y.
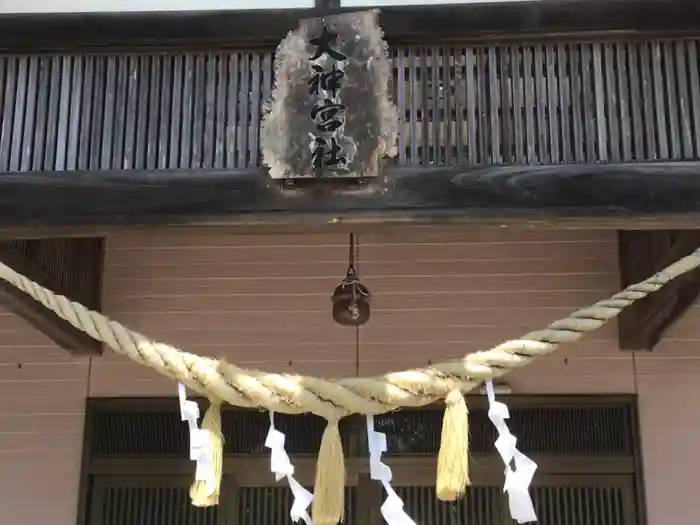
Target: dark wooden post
{"type": "Point", "coordinates": [643, 325]}
{"type": "Point", "coordinates": [71, 267]}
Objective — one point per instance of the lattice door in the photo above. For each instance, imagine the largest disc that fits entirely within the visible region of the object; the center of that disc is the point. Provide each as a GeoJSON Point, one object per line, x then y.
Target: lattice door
{"type": "Point", "coordinates": [148, 500]}
{"type": "Point", "coordinates": [559, 500]}
{"type": "Point", "coordinates": [161, 500]}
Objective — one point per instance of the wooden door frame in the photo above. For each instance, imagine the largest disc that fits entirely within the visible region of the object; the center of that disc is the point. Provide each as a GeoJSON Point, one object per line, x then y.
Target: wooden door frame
{"type": "Point", "coordinates": [408, 470]}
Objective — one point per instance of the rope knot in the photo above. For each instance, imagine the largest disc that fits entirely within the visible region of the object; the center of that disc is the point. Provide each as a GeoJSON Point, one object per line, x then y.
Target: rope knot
{"type": "Point", "coordinates": [455, 397]}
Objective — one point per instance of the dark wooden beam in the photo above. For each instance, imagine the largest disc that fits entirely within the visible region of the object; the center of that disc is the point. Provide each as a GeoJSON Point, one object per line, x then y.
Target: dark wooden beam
{"type": "Point", "coordinates": [38, 316]}
{"type": "Point", "coordinates": [461, 192]}
{"type": "Point", "coordinates": [642, 253]}
{"type": "Point", "coordinates": [212, 29]}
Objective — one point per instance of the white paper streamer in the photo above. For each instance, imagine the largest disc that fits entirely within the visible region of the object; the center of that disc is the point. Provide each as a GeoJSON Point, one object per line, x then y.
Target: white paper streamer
{"type": "Point", "coordinates": [519, 468]}
{"type": "Point", "coordinates": [282, 467]}
{"type": "Point", "coordinates": [392, 509]}
{"type": "Point", "coordinates": [200, 441]}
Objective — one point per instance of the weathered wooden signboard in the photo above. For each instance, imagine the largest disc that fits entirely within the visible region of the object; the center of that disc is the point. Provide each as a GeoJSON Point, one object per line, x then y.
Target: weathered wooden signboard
{"type": "Point", "coordinates": [330, 113]}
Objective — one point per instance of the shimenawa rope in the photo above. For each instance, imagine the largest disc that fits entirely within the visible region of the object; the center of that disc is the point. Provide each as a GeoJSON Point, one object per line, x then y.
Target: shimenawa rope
{"type": "Point", "coordinates": [335, 399]}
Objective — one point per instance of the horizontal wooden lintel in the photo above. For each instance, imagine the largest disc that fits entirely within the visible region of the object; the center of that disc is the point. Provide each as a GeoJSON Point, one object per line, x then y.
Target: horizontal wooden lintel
{"type": "Point", "coordinates": [436, 22]}
{"type": "Point", "coordinates": [460, 193]}
{"type": "Point", "coordinates": [250, 471]}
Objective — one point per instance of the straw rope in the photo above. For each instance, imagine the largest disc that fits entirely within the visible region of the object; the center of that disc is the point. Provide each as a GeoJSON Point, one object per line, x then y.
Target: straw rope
{"type": "Point", "coordinates": [334, 399]}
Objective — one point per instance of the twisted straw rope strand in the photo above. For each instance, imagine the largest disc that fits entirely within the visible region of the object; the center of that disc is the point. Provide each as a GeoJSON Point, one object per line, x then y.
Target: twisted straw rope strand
{"type": "Point", "coordinates": [334, 399]}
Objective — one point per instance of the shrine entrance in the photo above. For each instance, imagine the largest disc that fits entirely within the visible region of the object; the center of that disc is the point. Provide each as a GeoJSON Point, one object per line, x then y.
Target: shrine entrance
{"type": "Point", "coordinates": [136, 469]}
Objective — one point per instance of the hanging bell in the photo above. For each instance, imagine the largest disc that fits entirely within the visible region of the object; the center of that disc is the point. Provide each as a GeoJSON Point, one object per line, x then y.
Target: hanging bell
{"type": "Point", "coordinates": [351, 302]}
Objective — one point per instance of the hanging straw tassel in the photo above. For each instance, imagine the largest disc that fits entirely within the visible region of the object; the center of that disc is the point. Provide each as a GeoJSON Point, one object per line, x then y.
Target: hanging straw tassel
{"type": "Point", "coordinates": [329, 489]}
{"type": "Point", "coordinates": [453, 459]}
{"type": "Point", "coordinates": [206, 493]}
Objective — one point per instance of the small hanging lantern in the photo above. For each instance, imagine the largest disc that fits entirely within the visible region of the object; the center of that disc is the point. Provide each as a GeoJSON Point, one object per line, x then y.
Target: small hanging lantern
{"type": "Point", "coordinates": [351, 298]}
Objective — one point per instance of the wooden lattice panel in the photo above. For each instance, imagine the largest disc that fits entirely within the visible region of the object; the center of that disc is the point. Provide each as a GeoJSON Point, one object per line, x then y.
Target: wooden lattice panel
{"type": "Point", "coordinates": [527, 102]}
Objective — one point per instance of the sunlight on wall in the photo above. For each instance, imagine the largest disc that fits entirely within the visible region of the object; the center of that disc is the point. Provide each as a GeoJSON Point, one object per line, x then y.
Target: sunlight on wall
{"type": "Point", "coordinates": [84, 6]}
{"type": "Point", "coordinates": [399, 3]}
